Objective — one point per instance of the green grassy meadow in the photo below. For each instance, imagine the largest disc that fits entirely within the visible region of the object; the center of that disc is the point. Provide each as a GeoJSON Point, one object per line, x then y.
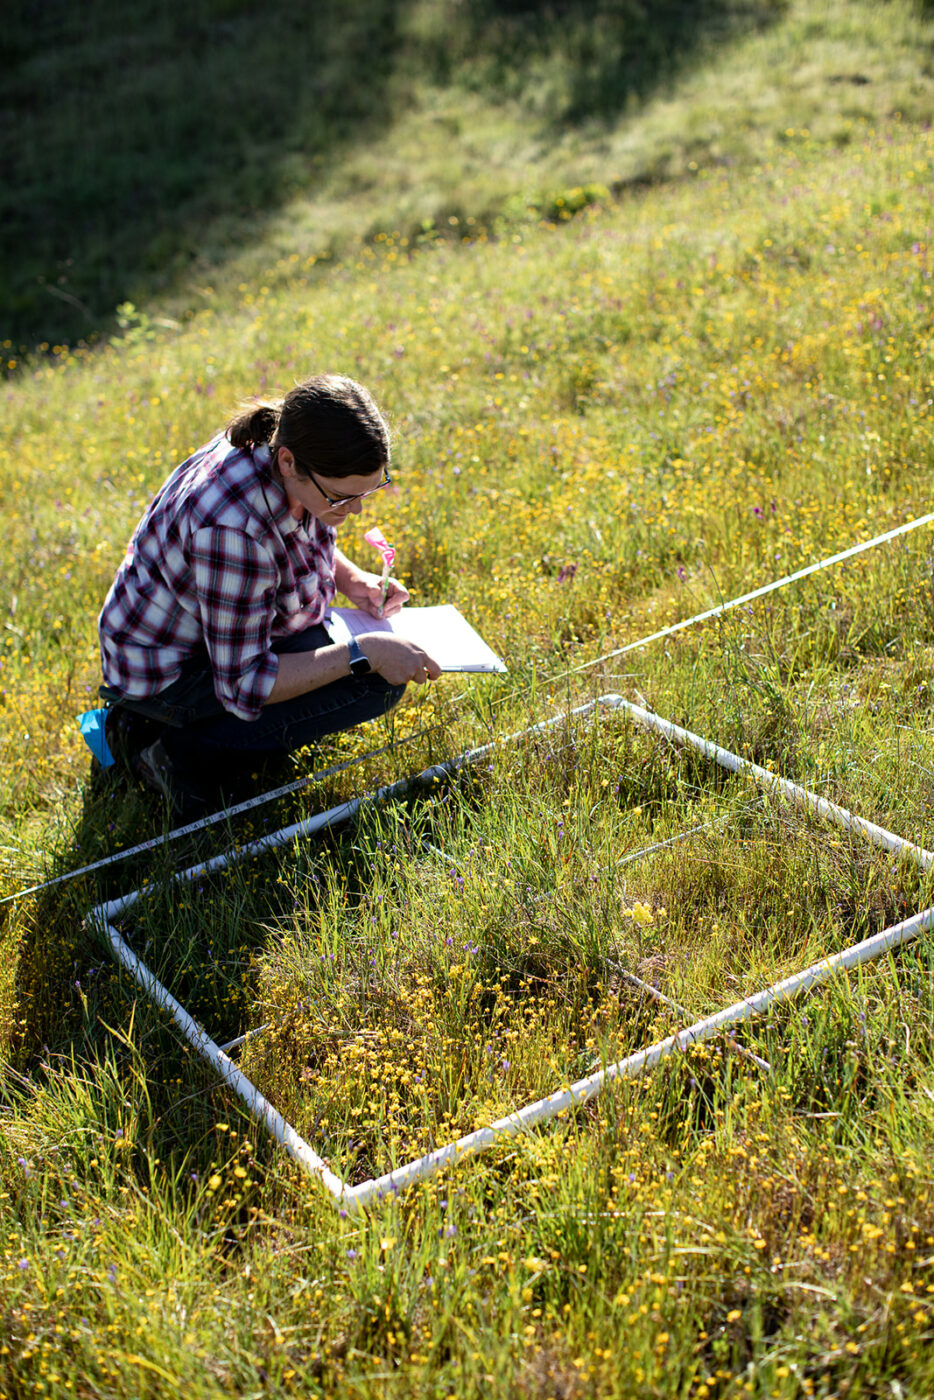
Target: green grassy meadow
{"type": "Point", "coordinates": [677, 344]}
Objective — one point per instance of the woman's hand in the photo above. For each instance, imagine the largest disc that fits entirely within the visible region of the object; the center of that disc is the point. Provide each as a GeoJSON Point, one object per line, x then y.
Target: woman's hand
{"type": "Point", "coordinates": [371, 596]}
{"type": "Point", "coordinates": [365, 591]}
{"type": "Point", "coordinates": [397, 660]}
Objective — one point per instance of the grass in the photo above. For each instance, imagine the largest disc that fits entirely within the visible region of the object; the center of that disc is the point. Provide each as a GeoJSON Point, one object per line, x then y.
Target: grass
{"type": "Point", "coordinates": [147, 158]}
{"type": "Point", "coordinates": [602, 424]}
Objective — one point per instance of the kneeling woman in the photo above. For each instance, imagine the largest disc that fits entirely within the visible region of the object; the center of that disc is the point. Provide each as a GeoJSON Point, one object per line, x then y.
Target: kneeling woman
{"type": "Point", "coordinates": [213, 628]}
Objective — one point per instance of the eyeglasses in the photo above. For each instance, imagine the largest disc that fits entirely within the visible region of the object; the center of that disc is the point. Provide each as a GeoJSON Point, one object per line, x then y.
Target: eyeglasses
{"type": "Point", "coordinates": [336, 502]}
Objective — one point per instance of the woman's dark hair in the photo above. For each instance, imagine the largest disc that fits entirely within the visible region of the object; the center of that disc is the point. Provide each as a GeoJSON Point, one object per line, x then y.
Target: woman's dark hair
{"type": "Point", "coordinates": [330, 424]}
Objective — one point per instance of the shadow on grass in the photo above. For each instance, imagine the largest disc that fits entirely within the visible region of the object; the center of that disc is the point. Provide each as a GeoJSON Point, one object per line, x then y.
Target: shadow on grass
{"type": "Point", "coordinates": [618, 52]}
{"type": "Point", "coordinates": [143, 140]}
{"type": "Point", "coordinates": [77, 1008]}
{"type": "Point", "coordinates": [65, 967]}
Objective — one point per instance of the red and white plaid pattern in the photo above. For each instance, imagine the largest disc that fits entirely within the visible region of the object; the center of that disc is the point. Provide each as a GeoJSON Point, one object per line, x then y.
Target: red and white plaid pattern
{"type": "Point", "coordinates": [217, 561]}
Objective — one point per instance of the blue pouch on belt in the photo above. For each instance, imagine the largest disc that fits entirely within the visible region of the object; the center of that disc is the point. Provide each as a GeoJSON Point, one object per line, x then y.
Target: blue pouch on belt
{"type": "Point", "coordinates": [95, 736]}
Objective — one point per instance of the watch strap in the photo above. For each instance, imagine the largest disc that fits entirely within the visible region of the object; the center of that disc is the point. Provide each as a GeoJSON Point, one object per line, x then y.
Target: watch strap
{"type": "Point", "coordinates": [359, 664]}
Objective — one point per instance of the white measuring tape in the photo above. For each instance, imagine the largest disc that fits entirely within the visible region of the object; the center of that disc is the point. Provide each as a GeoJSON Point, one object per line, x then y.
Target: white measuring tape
{"type": "Point", "coordinates": [758, 592]}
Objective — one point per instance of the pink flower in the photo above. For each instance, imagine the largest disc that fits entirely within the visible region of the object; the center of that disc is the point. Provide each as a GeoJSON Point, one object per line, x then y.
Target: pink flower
{"type": "Point", "coordinates": [377, 539]}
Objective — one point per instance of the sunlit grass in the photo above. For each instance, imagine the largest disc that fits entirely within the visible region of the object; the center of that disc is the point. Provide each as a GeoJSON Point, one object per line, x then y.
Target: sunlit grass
{"type": "Point", "coordinates": [600, 428]}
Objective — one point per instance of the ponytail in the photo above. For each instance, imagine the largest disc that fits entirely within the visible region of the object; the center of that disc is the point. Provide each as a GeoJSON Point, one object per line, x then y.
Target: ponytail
{"type": "Point", "coordinates": [255, 424]}
{"type": "Point", "coordinates": [329, 423]}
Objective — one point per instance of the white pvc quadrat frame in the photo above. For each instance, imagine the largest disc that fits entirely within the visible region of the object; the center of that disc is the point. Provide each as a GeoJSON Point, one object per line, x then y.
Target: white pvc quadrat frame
{"type": "Point", "coordinates": [354, 1198]}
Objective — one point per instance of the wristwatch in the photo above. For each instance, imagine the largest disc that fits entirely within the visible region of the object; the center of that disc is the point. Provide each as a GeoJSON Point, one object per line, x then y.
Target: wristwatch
{"type": "Point", "coordinates": [359, 665]}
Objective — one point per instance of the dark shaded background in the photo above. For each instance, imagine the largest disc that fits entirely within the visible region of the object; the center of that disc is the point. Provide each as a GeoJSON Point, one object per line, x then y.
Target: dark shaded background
{"type": "Point", "coordinates": [134, 138]}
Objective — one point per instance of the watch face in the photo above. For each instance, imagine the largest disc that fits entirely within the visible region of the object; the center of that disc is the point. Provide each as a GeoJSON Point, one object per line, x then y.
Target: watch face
{"type": "Point", "coordinates": [359, 665]}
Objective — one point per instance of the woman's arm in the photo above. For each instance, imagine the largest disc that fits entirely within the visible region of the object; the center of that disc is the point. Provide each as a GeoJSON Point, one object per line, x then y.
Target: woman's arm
{"type": "Point", "coordinates": [395, 659]}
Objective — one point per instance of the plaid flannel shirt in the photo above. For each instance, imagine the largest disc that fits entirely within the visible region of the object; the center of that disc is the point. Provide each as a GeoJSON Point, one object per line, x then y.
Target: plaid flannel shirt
{"type": "Point", "coordinates": [218, 562]}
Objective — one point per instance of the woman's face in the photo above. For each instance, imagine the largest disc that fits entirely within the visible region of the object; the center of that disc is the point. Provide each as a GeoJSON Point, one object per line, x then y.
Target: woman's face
{"type": "Point", "coordinates": [330, 499]}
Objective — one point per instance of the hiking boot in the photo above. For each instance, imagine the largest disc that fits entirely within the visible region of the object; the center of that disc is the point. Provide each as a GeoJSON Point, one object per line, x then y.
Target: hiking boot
{"type": "Point", "coordinates": [127, 733]}
{"type": "Point", "coordinates": [187, 798]}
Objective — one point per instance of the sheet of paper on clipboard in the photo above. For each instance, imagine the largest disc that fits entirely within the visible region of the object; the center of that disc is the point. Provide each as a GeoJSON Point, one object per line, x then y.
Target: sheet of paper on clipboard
{"type": "Point", "coordinates": [442, 631]}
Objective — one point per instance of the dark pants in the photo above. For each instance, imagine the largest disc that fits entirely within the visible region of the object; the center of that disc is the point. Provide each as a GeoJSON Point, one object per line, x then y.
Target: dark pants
{"type": "Point", "coordinates": [200, 732]}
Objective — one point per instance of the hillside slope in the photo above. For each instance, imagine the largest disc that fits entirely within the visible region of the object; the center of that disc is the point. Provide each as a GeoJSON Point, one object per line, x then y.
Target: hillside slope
{"type": "Point", "coordinates": [603, 425]}
{"type": "Point", "coordinates": [142, 157]}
